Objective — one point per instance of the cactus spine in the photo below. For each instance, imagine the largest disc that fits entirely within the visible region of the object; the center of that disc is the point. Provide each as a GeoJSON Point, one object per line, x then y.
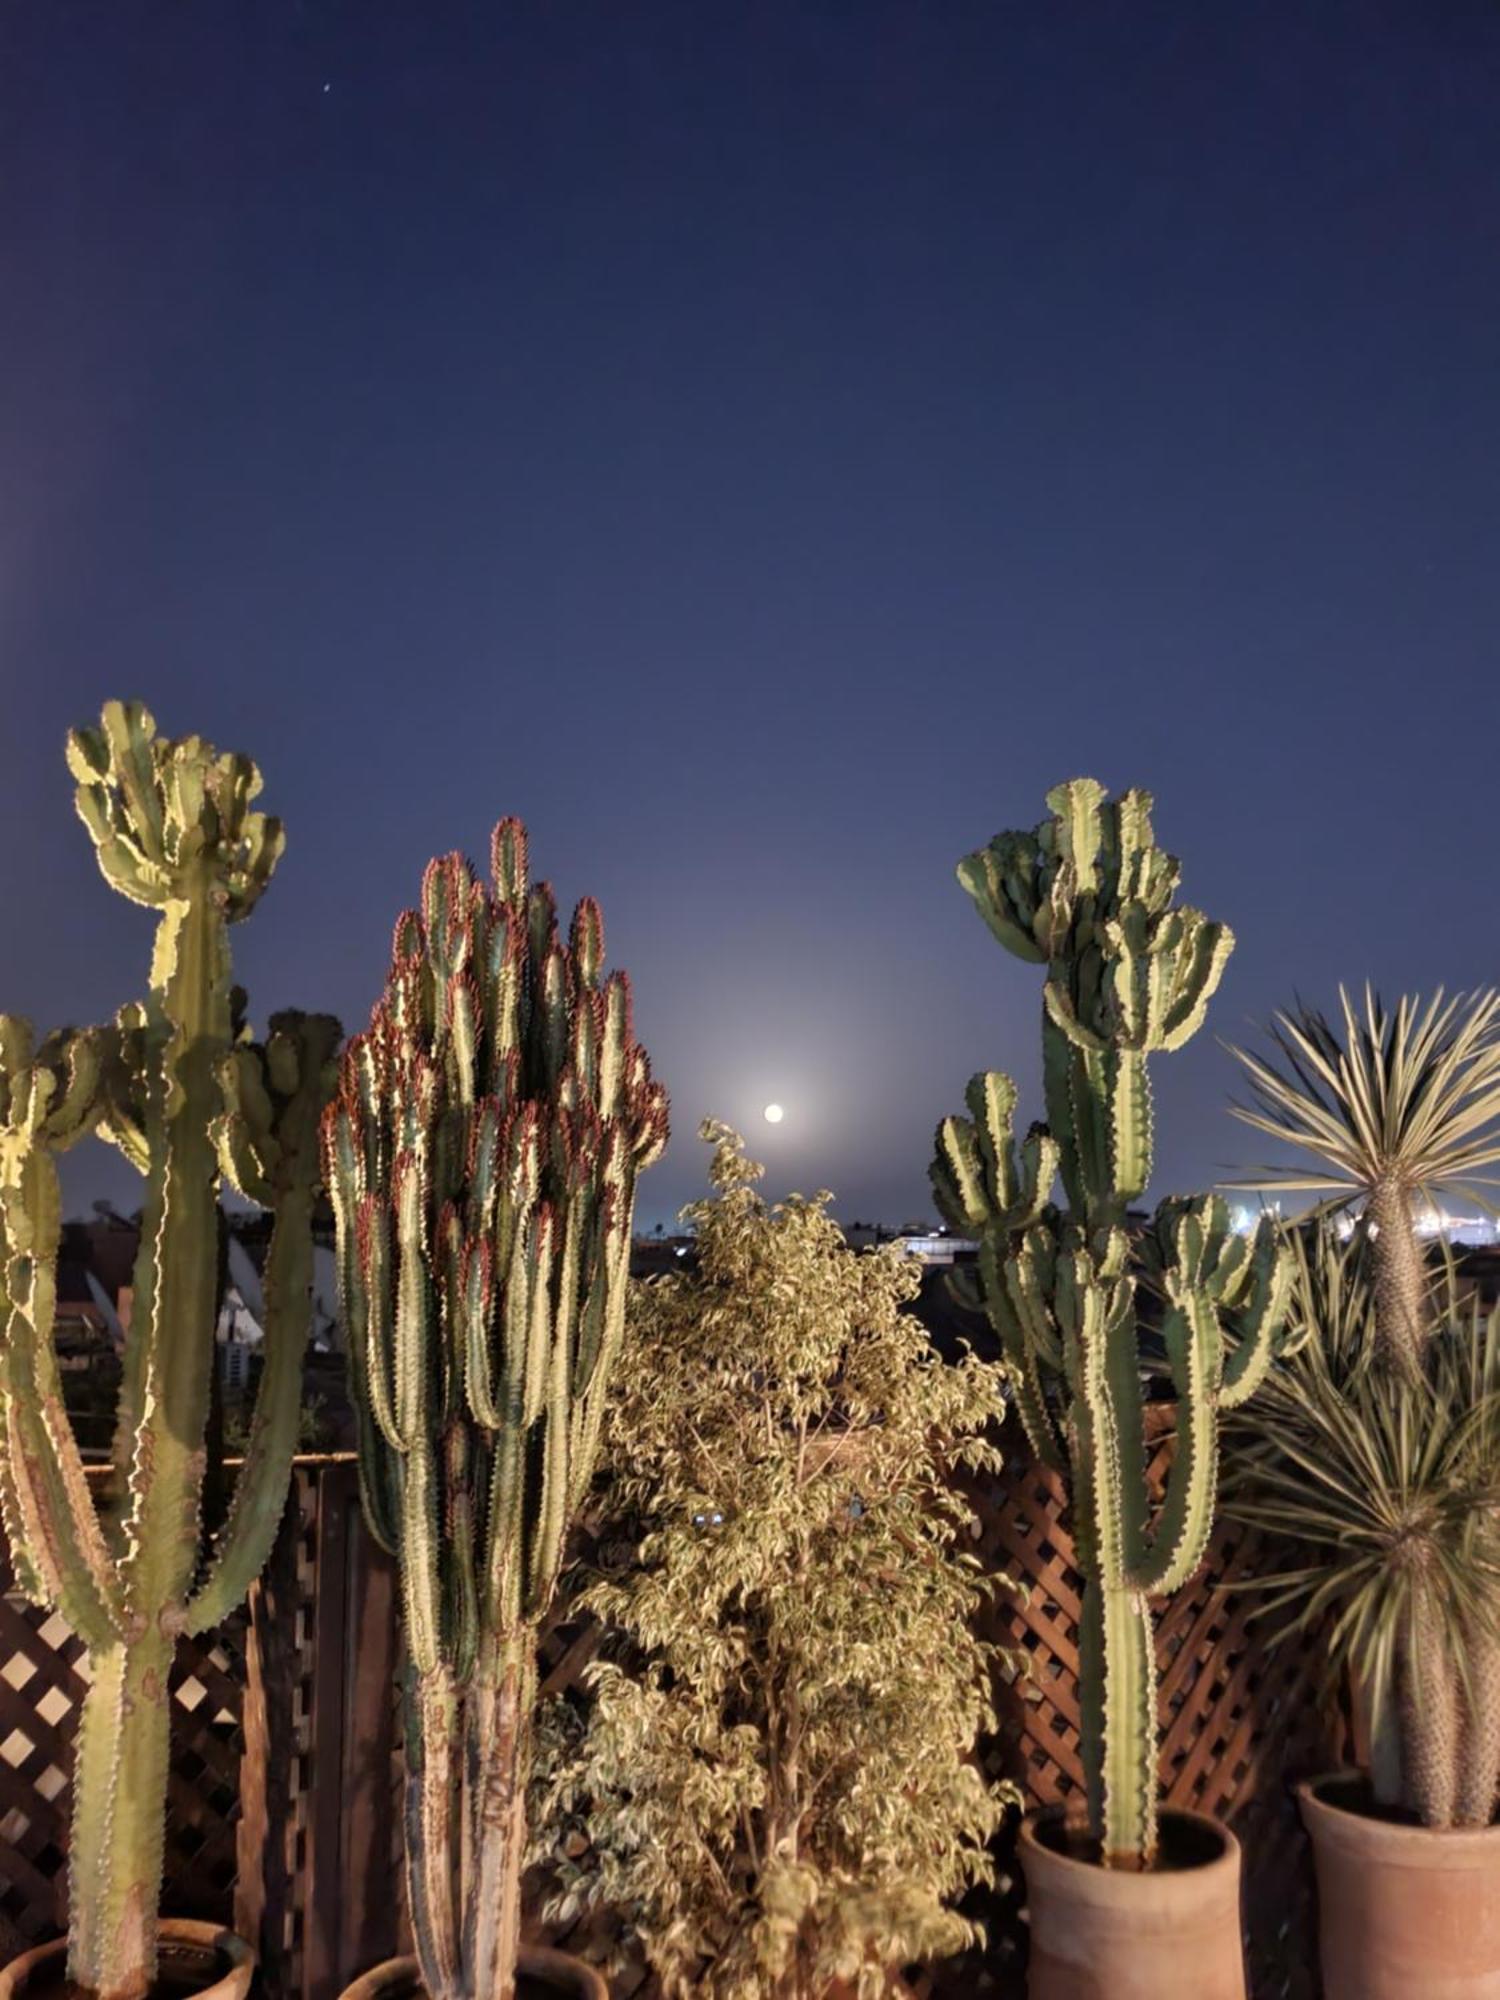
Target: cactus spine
{"type": "Point", "coordinates": [1090, 896]}
{"type": "Point", "coordinates": [181, 1095]}
{"type": "Point", "coordinates": [482, 1155]}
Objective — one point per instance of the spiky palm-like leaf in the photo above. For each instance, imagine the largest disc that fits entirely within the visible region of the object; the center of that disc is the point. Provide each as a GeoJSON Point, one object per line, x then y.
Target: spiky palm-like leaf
{"type": "Point", "coordinates": [1387, 1487]}
{"type": "Point", "coordinates": [1397, 1107]}
{"type": "Point", "coordinates": [1414, 1092]}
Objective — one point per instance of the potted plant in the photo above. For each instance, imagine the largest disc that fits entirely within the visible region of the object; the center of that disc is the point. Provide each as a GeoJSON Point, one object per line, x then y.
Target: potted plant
{"type": "Point", "coordinates": [1377, 1455]}
{"type": "Point", "coordinates": [1124, 1902]}
{"type": "Point", "coordinates": [772, 1781]}
{"type": "Point", "coordinates": [186, 1098]}
{"type": "Point", "coordinates": [482, 1157]}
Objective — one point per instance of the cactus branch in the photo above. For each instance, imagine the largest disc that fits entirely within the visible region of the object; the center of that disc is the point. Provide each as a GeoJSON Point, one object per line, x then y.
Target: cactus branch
{"type": "Point", "coordinates": [170, 1087]}
{"type": "Point", "coordinates": [1129, 973]}
{"type": "Point", "coordinates": [482, 1156]}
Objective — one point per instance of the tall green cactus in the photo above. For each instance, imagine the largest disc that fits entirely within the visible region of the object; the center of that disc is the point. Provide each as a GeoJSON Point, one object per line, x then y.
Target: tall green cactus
{"type": "Point", "coordinates": [483, 1154]}
{"type": "Point", "coordinates": [184, 1097]}
{"type": "Point", "coordinates": [1089, 895]}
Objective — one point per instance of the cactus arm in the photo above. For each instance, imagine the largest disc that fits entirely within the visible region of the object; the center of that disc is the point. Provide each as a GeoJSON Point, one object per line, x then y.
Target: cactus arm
{"type": "Point", "coordinates": [28, 1578]}
{"type": "Point", "coordinates": [1093, 1140]}
{"type": "Point", "coordinates": [270, 1133]}
{"type": "Point", "coordinates": [547, 1549]}
{"type": "Point", "coordinates": [1197, 981]}
{"type": "Point", "coordinates": [244, 1542]}
{"type": "Point", "coordinates": [1258, 1323]}
{"type": "Point", "coordinates": [421, 1569]}
{"type": "Point", "coordinates": [463, 1588]}
{"type": "Point", "coordinates": [615, 1265]}
{"type": "Point", "coordinates": [982, 876]}
{"type": "Point", "coordinates": [1078, 828]}
{"type": "Point", "coordinates": [1190, 1329]}
{"type": "Point", "coordinates": [412, 1367]}
{"type": "Point", "coordinates": [377, 1465]}
{"type": "Point", "coordinates": [1057, 1087]}
{"type": "Point", "coordinates": [958, 1176]}
{"type": "Point", "coordinates": [58, 1535]}
{"type": "Point", "coordinates": [177, 1267]}
{"type": "Point", "coordinates": [56, 1529]}
{"type": "Point", "coordinates": [1128, 1091]}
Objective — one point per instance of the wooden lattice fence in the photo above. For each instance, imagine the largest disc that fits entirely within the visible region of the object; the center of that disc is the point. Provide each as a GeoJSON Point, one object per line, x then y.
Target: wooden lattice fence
{"type": "Point", "coordinates": [284, 1803]}
{"type": "Point", "coordinates": [1240, 1720]}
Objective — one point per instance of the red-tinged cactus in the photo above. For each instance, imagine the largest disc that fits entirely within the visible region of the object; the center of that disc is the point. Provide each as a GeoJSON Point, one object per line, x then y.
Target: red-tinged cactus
{"type": "Point", "coordinates": [483, 1154]}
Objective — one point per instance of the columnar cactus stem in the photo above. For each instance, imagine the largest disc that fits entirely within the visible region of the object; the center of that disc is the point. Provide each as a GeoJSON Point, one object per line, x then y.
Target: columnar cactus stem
{"type": "Point", "coordinates": [167, 1084]}
{"type": "Point", "coordinates": [482, 1156]}
{"type": "Point", "coordinates": [1090, 896]}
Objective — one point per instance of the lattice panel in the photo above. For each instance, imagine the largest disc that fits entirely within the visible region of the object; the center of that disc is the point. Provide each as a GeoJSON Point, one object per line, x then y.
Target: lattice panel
{"type": "Point", "coordinates": [42, 1686]}
{"type": "Point", "coordinates": [1240, 1720]}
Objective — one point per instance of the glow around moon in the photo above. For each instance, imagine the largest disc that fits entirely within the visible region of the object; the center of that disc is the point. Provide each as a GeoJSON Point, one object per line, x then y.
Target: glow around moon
{"type": "Point", "coordinates": [774, 1114]}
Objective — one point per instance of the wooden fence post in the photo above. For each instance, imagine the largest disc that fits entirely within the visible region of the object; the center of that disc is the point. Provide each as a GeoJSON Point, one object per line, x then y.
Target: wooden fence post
{"type": "Point", "coordinates": [352, 1894]}
{"type": "Point", "coordinates": [265, 1890]}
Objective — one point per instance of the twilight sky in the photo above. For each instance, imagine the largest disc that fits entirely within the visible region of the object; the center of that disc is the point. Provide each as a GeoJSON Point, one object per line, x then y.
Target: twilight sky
{"type": "Point", "coordinates": [766, 446]}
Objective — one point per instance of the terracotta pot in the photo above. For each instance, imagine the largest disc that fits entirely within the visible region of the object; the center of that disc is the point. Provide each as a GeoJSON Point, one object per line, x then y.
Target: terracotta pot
{"type": "Point", "coordinates": [542, 1974]}
{"type": "Point", "coordinates": [1402, 1909]}
{"type": "Point", "coordinates": [193, 1958]}
{"type": "Point", "coordinates": [1172, 1933]}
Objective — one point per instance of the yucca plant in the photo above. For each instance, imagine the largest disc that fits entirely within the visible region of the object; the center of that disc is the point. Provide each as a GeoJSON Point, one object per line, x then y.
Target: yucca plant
{"type": "Point", "coordinates": [1398, 1108]}
{"type": "Point", "coordinates": [1383, 1485]}
{"type": "Point", "coordinates": [775, 1786]}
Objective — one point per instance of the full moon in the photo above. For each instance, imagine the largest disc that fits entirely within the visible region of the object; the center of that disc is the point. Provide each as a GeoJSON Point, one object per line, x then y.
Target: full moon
{"type": "Point", "coordinates": [774, 1114]}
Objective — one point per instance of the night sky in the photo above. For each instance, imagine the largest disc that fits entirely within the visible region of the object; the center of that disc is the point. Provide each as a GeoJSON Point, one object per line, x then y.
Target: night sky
{"type": "Point", "coordinates": [766, 447]}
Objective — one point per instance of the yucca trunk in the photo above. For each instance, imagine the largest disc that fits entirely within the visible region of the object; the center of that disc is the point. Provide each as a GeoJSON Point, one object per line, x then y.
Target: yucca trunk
{"type": "Point", "coordinates": [1396, 1257]}
{"type": "Point", "coordinates": [1430, 1720]}
{"type": "Point", "coordinates": [1479, 1765]}
{"type": "Point", "coordinates": [465, 1823]}
{"type": "Point", "coordinates": [1444, 1726]}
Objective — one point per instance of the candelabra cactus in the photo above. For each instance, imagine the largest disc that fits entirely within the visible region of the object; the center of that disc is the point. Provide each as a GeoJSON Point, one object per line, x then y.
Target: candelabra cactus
{"type": "Point", "coordinates": [1090, 896]}
{"type": "Point", "coordinates": [482, 1154]}
{"type": "Point", "coordinates": [184, 1096]}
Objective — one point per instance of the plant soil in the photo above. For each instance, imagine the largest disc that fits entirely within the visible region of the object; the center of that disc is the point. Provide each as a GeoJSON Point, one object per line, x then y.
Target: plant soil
{"type": "Point", "coordinates": [1182, 1844]}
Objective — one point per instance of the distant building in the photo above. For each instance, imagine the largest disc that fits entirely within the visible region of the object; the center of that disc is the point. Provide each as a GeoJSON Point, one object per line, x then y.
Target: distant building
{"type": "Point", "coordinates": [937, 1246]}
{"type": "Point", "coordinates": [653, 1255]}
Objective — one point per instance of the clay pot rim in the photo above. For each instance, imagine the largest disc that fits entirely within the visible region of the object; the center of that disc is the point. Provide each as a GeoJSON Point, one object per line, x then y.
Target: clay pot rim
{"type": "Point", "coordinates": [1225, 1862]}
{"type": "Point", "coordinates": [236, 1955]}
{"type": "Point", "coordinates": [1355, 1828]}
{"type": "Point", "coordinates": [394, 1974]}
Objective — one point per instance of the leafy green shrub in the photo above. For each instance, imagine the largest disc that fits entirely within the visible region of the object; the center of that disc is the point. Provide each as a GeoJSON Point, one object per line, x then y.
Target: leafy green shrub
{"type": "Point", "coordinates": [774, 1784]}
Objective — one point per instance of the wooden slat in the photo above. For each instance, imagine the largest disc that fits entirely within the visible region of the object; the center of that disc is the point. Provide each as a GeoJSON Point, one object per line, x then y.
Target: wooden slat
{"type": "Point", "coordinates": [299, 1839]}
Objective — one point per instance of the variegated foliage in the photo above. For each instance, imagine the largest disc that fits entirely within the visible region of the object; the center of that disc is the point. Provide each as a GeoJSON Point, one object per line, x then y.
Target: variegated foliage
{"type": "Point", "coordinates": [774, 1785]}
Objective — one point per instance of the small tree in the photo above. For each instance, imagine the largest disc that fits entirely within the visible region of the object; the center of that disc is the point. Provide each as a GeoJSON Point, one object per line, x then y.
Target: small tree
{"type": "Point", "coordinates": [775, 1778]}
